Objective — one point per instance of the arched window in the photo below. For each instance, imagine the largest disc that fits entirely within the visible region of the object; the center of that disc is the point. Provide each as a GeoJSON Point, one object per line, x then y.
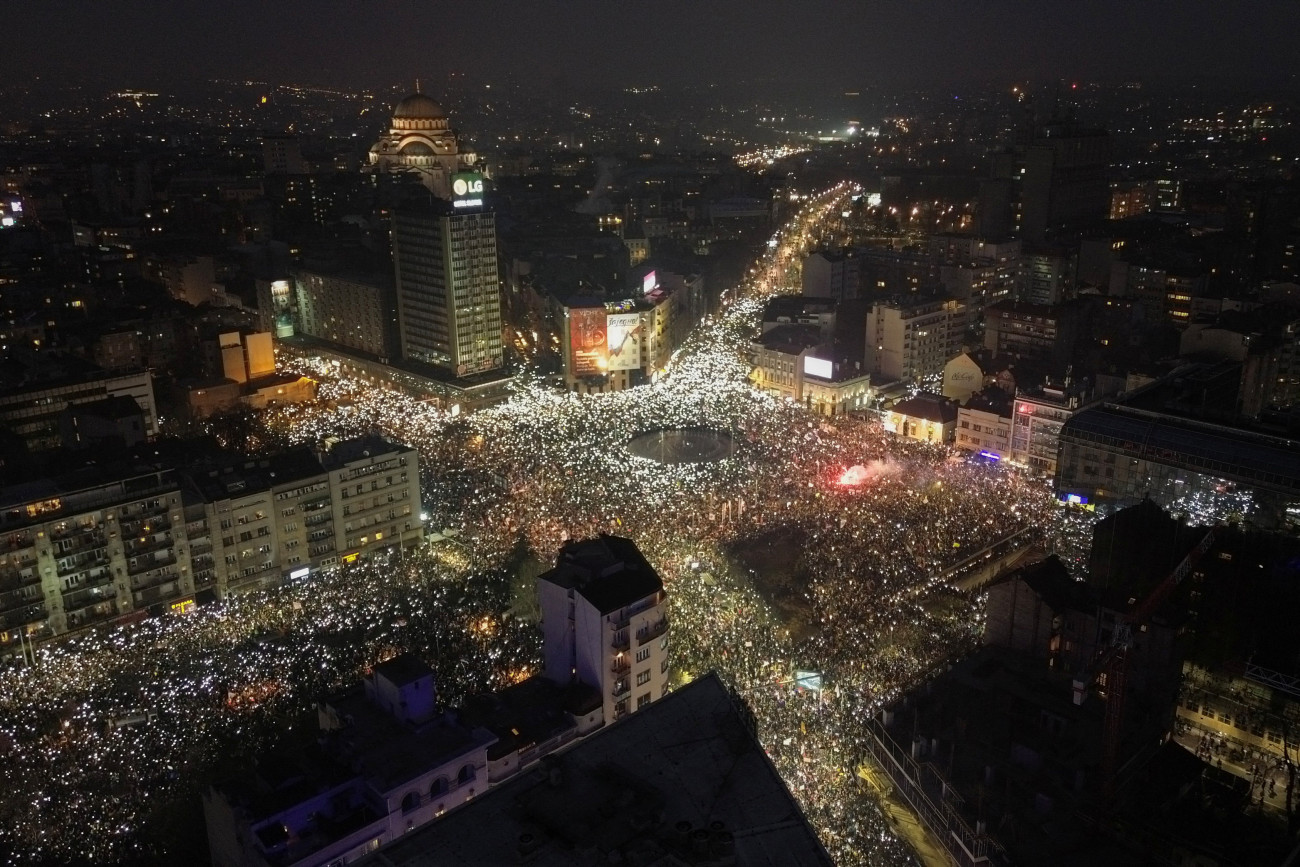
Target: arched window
{"type": "Point", "coordinates": [466, 774]}
{"type": "Point", "coordinates": [440, 787]}
{"type": "Point", "coordinates": [410, 802]}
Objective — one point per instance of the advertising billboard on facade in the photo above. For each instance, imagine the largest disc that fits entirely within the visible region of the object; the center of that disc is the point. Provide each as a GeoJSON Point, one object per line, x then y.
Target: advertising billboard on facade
{"type": "Point", "coordinates": [818, 367]}
{"type": "Point", "coordinates": [467, 190]}
{"type": "Point", "coordinates": [649, 283]}
{"type": "Point", "coordinates": [624, 331]}
{"type": "Point", "coordinates": [588, 346]}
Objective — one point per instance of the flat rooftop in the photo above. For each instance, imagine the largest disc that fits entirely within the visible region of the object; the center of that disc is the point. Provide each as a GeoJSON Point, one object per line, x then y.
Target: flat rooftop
{"type": "Point", "coordinates": [682, 782]}
{"type": "Point", "coordinates": [388, 752]}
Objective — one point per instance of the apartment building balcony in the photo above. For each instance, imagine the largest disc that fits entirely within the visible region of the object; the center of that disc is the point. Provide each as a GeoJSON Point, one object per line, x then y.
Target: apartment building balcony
{"type": "Point", "coordinates": [24, 615]}
{"type": "Point", "coordinates": [16, 542]}
{"type": "Point", "coordinates": [13, 572]}
{"type": "Point", "coordinates": [144, 526]}
{"type": "Point", "coordinates": [92, 612]}
{"type": "Point", "coordinates": [620, 641]}
{"type": "Point", "coordinates": [204, 578]}
{"type": "Point", "coordinates": [84, 597]}
{"type": "Point", "coordinates": [147, 563]}
{"type": "Point", "coordinates": [650, 633]}
{"type": "Point", "coordinates": [159, 593]}
{"type": "Point", "coordinates": [148, 544]}
{"type": "Point", "coordinates": [19, 593]}
{"type": "Point", "coordinates": [95, 559]}
{"type": "Point", "coordinates": [154, 578]}
{"type": "Point", "coordinates": [620, 665]}
{"type": "Point", "coordinates": [80, 542]}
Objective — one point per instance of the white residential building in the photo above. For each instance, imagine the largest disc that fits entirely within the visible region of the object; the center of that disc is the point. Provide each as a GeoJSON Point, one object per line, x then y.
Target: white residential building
{"type": "Point", "coordinates": [605, 623]}
{"type": "Point", "coordinates": [908, 339]}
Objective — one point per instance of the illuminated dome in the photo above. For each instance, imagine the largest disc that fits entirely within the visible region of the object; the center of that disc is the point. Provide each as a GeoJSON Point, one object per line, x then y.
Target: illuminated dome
{"type": "Point", "coordinates": [417, 106]}
{"type": "Point", "coordinates": [418, 148]}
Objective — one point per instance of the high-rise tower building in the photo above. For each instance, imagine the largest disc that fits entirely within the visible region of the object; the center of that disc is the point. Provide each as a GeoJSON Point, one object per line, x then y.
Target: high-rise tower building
{"type": "Point", "coordinates": [448, 288]}
{"type": "Point", "coordinates": [1066, 180]}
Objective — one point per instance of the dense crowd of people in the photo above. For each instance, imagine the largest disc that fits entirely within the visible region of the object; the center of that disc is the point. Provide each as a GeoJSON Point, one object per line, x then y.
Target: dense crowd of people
{"type": "Point", "coordinates": [106, 731]}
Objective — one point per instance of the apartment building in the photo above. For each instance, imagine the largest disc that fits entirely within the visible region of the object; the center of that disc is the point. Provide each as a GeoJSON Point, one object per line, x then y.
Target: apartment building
{"type": "Point", "coordinates": [1036, 425]}
{"type": "Point", "coordinates": [376, 496]}
{"type": "Point", "coordinates": [605, 622]}
{"type": "Point", "coordinates": [358, 310]}
{"type": "Point", "coordinates": [89, 549]}
{"type": "Point", "coordinates": [107, 544]}
{"type": "Point", "coordinates": [984, 424]}
{"type": "Point", "coordinates": [387, 761]}
{"type": "Point", "coordinates": [31, 410]}
{"type": "Point", "coordinates": [908, 339]}
{"type": "Point", "coordinates": [1022, 329]}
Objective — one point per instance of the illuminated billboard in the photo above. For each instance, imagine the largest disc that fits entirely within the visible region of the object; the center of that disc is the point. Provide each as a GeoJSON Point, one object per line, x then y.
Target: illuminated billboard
{"type": "Point", "coordinates": [649, 283]}
{"type": "Point", "coordinates": [818, 367]}
{"type": "Point", "coordinates": [624, 340]}
{"type": "Point", "coordinates": [467, 190]}
{"type": "Point", "coordinates": [588, 346]}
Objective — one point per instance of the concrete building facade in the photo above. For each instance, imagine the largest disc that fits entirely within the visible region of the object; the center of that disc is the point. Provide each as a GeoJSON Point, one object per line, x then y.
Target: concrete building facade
{"type": "Point", "coordinates": [448, 287]}
{"type": "Point", "coordinates": [911, 338]}
{"type": "Point", "coordinates": [605, 624]}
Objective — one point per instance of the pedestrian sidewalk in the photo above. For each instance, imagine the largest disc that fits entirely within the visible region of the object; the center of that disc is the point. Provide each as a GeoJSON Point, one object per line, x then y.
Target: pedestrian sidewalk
{"type": "Point", "coordinates": [903, 822]}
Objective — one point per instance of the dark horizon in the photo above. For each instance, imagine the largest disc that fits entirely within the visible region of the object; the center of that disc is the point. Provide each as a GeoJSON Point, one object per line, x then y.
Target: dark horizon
{"type": "Point", "coordinates": [893, 44]}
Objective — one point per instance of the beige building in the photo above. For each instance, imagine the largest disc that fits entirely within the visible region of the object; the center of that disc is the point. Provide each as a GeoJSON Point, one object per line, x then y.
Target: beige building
{"type": "Point", "coordinates": [788, 362]}
{"type": "Point", "coordinates": [930, 418]}
{"type": "Point", "coordinates": [984, 424]}
{"type": "Point", "coordinates": [908, 339]}
{"type": "Point", "coordinates": [82, 551]}
{"type": "Point", "coordinates": [376, 495]}
{"type": "Point", "coordinates": [245, 357]}
{"type": "Point", "coordinates": [448, 286]}
{"type": "Point", "coordinates": [963, 376]}
{"type": "Point", "coordinates": [349, 310]}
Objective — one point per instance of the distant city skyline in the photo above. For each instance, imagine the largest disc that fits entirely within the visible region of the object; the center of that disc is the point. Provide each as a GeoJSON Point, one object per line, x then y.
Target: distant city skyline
{"type": "Point", "coordinates": [892, 43]}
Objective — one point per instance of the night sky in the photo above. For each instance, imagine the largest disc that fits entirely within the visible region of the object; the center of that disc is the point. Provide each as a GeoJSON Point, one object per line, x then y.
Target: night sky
{"type": "Point", "coordinates": [893, 43]}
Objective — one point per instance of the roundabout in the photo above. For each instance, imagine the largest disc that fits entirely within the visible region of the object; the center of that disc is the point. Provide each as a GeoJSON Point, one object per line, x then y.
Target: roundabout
{"type": "Point", "coordinates": [683, 445]}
